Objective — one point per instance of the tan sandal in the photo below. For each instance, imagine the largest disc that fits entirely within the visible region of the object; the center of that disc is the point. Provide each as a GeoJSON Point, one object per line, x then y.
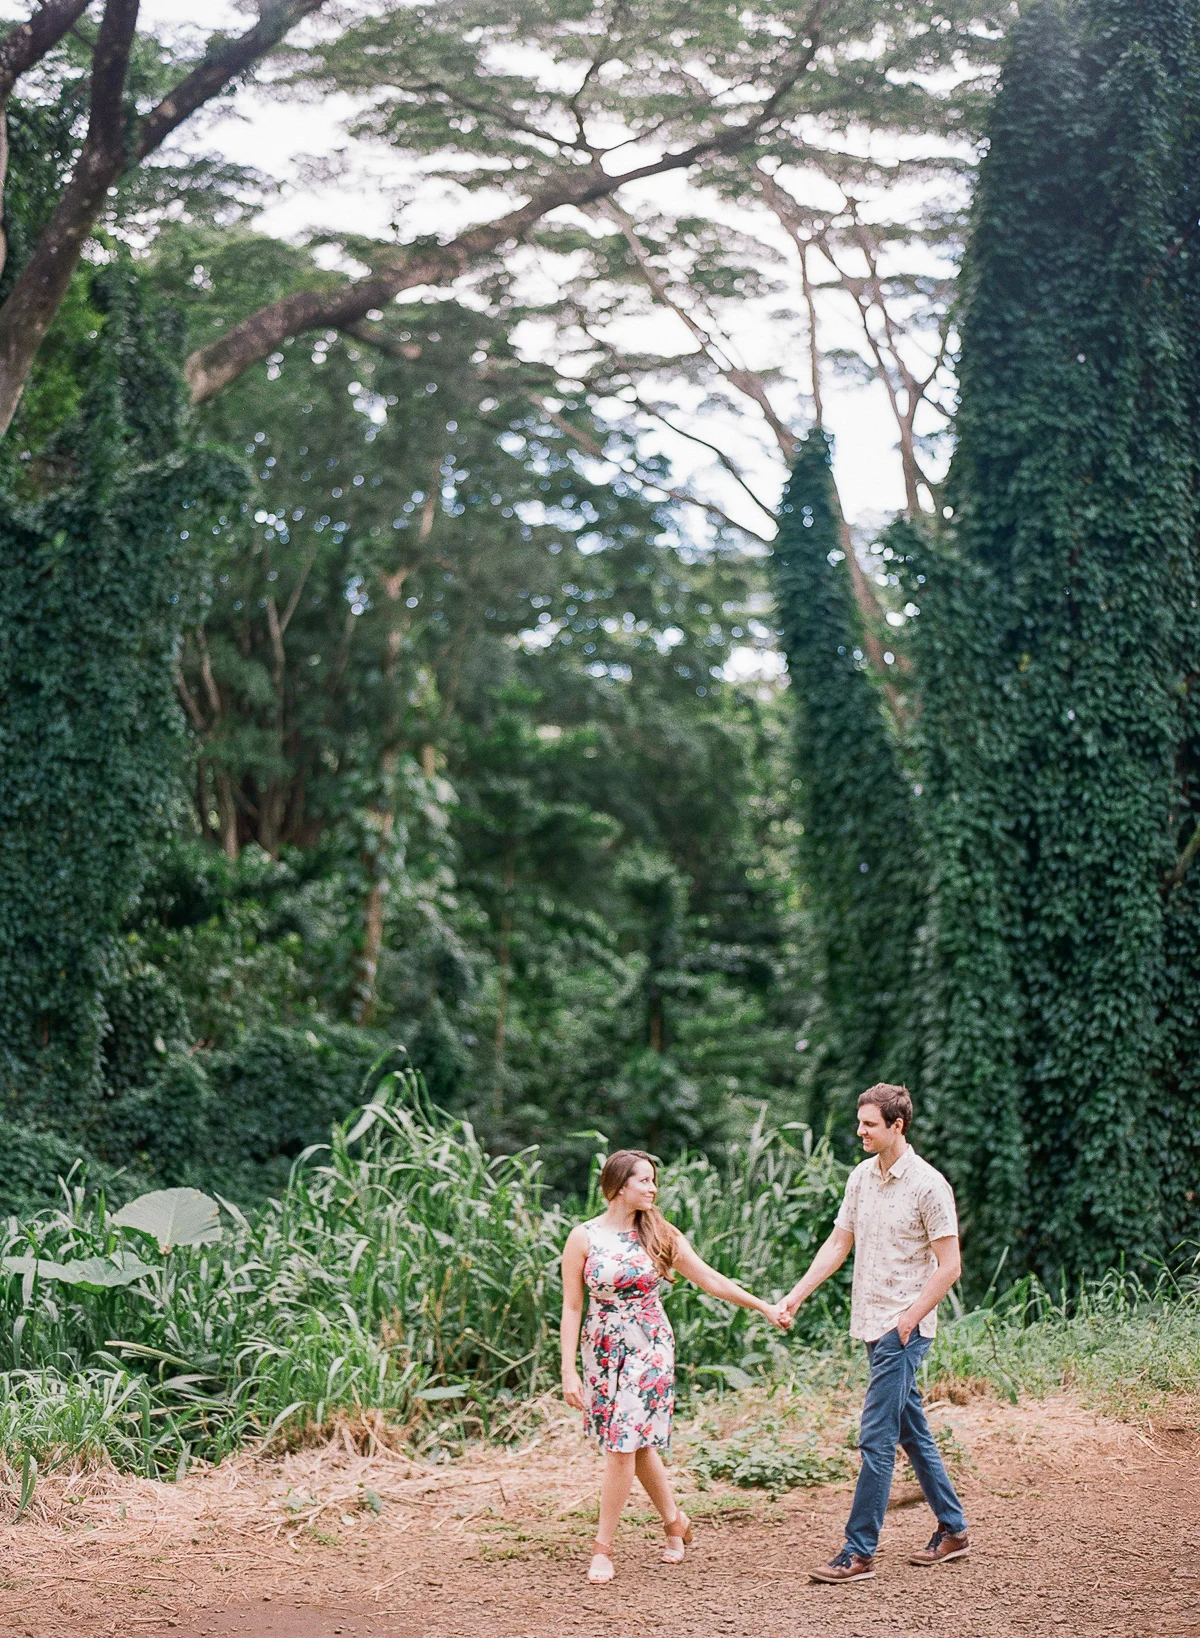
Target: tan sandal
{"type": "Point", "coordinates": [605, 1554]}
{"type": "Point", "coordinates": [677, 1540]}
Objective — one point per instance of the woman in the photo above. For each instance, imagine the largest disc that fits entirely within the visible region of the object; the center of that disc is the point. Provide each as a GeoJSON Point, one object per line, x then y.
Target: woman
{"type": "Point", "coordinates": [627, 1392]}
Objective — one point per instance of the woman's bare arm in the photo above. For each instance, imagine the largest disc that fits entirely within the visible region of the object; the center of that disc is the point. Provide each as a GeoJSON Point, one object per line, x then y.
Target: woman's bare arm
{"type": "Point", "coordinates": [694, 1268]}
{"type": "Point", "coordinates": [574, 1256]}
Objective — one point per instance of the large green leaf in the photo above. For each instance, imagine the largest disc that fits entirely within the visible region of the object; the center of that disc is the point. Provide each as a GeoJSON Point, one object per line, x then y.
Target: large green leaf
{"type": "Point", "coordinates": [101, 1273]}
{"type": "Point", "coordinates": [41, 1266]}
{"type": "Point", "coordinates": [122, 1268]}
{"type": "Point", "coordinates": [173, 1217]}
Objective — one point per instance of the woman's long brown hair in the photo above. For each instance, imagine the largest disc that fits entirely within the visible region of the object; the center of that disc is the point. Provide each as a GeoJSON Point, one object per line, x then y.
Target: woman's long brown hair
{"type": "Point", "coordinates": [651, 1227]}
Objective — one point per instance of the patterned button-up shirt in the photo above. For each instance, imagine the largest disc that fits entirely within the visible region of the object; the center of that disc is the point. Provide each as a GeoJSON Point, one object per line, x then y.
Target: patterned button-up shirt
{"type": "Point", "coordinates": [894, 1221]}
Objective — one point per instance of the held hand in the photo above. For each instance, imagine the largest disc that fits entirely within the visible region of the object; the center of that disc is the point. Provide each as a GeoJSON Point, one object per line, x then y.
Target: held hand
{"type": "Point", "coordinates": [905, 1326]}
{"type": "Point", "coordinates": [778, 1315]}
{"type": "Point", "coordinates": [573, 1390]}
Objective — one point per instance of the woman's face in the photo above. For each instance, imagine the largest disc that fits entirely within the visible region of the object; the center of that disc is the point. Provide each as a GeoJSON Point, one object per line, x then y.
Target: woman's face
{"type": "Point", "coordinates": [639, 1191]}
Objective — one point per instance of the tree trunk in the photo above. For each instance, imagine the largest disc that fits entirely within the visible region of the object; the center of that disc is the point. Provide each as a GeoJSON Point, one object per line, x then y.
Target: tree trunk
{"type": "Point", "coordinates": [656, 1019]}
{"type": "Point", "coordinates": [43, 281]}
{"type": "Point", "coordinates": [226, 812]}
{"type": "Point", "coordinates": [383, 817]}
{"type": "Point", "coordinates": [20, 49]}
{"type": "Point", "coordinates": [271, 813]}
{"type": "Point", "coordinates": [3, 181]}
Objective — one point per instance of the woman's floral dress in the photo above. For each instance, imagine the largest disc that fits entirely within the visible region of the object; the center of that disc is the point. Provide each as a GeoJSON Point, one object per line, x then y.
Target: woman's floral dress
{"type": "Point", "coordinates": [628, 1345]}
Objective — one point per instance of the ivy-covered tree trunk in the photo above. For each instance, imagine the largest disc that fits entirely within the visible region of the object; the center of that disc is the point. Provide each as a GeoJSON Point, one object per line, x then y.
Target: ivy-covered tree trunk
{"type": "Point", "coordinates": [94, 582]}
{"type": "Point", "coordinates": [863, 867]}
{"type": "Point", "coordinates": [1060, 646]}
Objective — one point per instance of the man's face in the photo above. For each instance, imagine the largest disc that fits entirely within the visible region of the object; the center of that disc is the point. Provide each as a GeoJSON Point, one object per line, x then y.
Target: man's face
{"type": "Point", "coordinates": [874, 1131]}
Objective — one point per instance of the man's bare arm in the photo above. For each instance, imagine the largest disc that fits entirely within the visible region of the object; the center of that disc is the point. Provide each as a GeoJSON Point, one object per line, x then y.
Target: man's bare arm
{"type": "Point", "coordinates": [935, 1288]}
{"type": "Point", "coordinates": [828, 1260]}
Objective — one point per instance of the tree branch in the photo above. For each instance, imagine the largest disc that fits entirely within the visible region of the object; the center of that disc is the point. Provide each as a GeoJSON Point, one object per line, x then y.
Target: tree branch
{"type": "Point", "coordinates": [42, 284]}
{"type": "Point", "coordinates": [745, 381]}
{"type": "Point", "coordinates": [1183, 863]}
{"type": "Point", "coordinates": [43, 281]}
{"type": "Point", "coordinates": [294, 600]}
{"type": "Point", "coordinates": [215, 366]}
{"type": "Point", "coordinates": [20, 48]}
{"type": "Point", "coordinates": [659, 414]}
{"type": "Point", "coordinates": [814, 346]}
{"type": "Point", "coordinates": [206, 672]}
{"type": "Point", "coordinates": [593, 448]}
{"type": "Point", "coordinates": [190, 704]}
{"type": "Point", "coordinates": [221, 64]}
{"type": "Point", "coordinates": [806, 229]}
{"type": "Point", "coordinates": [29, 42]}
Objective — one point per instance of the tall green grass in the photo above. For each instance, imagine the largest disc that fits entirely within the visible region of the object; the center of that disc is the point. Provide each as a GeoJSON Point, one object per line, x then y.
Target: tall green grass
{"type": "Point", "coordinates": [407, 1276]}
{"type": "Point", "coordinates": [402, 1270]}
{"type": "Point", "coordinates": [1123, 1342]}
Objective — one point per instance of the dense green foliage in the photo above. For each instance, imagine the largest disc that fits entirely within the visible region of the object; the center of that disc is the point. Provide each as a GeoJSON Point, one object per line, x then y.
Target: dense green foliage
{"type": "Point", "coordinates": [409, 718]}
{"type": "Point", "coordinates": [470, 697]}
{"type": "Point", "coordinates": [428, 739]}
{"type": "Point", "coordinates": [860, 850]}
{"type": "Point", "coordinates": [1039, 872]}
{"type": "Point", "coordinates": [1059, 650]}
{"type": "Point", "coordinates": [402, 1270]}
{"type": "Point", "coordinates": [94, 584]}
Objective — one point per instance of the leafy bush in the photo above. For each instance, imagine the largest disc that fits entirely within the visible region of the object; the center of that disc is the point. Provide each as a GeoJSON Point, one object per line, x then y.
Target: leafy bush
{"type": "Point", "coordinates": [162, 1127]}
{"type": "Point", "coordinates": [31, 1163]}
{"type": "Point", "coordinates": [405, 1270]}
{"type": "Point", "coordinates": [759, 1217]}
{"type": "Point", "coordinates": [235, 1120]}
{"type": "Point", "coordinates": [282, 1088]}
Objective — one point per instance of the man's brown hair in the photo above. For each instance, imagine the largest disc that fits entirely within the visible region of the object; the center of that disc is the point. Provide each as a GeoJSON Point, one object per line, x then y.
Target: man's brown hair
{"type": "Point", "coordinates": [892, 1102]}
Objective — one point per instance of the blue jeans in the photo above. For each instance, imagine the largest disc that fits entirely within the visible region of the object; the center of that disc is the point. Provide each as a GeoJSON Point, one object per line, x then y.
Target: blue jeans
{"type": "Point", "coordinates": [893, 1415]}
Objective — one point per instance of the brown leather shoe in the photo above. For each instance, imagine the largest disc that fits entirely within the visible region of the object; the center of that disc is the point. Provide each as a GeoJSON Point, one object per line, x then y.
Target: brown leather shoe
{"type": "Point", "coordinates": [845, 1566]}
{"type": "Point", "coordinates": [943, 1546]}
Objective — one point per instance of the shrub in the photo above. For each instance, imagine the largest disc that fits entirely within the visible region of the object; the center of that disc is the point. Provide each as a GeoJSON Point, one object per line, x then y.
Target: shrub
{"type": "Point", "coordinates": [756, 1460]}
{"type": "Point", "coordinates": [282, 1088]}
{"type": "Point", "coordinates": [31, 1164]}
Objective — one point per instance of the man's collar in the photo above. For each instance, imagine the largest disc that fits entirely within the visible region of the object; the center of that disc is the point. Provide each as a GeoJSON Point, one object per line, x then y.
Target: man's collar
{"type": "Point", "coordinates": [899, 1167]}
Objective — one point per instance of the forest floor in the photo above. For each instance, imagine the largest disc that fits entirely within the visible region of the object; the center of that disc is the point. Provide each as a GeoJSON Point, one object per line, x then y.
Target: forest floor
{"type": "Point", "coordinates": [1082, 1526]}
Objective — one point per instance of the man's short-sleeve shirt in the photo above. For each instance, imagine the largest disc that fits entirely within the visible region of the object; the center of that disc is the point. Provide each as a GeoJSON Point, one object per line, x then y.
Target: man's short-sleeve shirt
{"type": "Point", "coordinates": [894, 1221]}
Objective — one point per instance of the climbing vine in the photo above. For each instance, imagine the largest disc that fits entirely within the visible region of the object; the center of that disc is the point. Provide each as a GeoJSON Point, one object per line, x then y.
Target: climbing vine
{"type": "Point", "coordinates": [95, 578]}
{"type": "Point", "coordinates": [1052, 972]}
{"type": "Point", "coordinates": [863, 868]}
{"type": "Point", "coordinates": [1060, 647]}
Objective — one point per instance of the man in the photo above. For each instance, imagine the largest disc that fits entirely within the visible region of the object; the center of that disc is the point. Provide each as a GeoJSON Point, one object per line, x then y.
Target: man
{"type": "Point", "coordinates": [898, 1213]}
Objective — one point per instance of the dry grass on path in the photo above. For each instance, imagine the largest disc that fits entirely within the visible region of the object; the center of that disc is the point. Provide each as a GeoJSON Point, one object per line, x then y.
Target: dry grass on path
{"type": "Point", "coordinates": [1083, 1526]}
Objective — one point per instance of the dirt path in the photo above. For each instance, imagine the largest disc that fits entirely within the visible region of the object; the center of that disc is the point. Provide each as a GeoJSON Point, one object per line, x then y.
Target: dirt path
{"type": "Point", "coordinates": [1083, 1527]}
